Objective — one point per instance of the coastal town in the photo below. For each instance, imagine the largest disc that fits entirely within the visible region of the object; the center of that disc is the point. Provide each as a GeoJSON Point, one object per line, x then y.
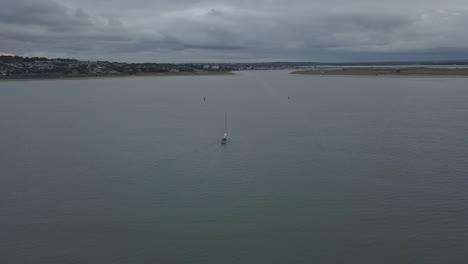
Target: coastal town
{"type": "Point", "coordinates": [16, 67]}
{"type": "Point", "coordinates": [19, 67]}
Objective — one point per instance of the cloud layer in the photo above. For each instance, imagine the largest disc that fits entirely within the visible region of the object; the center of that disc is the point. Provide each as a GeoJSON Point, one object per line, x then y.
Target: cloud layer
{"type": "Point", "coordinates": [262, 30]}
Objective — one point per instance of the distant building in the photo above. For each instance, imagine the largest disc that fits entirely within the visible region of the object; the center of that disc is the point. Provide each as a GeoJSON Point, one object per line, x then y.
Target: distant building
{"type": "Point", "coordinates": [210, 67]}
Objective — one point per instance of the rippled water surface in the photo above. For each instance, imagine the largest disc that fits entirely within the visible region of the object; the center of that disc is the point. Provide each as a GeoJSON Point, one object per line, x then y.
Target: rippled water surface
{"type": "Point", "coordinates": [130, 170]}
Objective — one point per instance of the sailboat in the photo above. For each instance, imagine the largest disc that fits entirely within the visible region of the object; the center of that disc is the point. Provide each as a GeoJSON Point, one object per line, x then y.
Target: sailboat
{"type": "Point", "coordinates": [224, 140]}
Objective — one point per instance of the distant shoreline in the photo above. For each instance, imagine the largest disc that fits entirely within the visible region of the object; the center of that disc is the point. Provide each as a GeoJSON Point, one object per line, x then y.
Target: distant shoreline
{"type": "Point", "coordinates": [98, 76]}
{"type": "Point", "coordinates": [394, 72]}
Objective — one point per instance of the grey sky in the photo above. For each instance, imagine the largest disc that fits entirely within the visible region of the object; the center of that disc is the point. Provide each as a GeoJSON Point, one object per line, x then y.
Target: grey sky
{"type": "Point", "coordinates": [232, 31]}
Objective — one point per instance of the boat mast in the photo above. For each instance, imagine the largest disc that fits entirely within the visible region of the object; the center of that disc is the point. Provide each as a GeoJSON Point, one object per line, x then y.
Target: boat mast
{"type": "Point", "coordinates": [225, 122]}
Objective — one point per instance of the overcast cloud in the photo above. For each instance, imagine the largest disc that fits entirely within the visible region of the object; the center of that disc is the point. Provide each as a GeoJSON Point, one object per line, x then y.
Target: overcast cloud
{"type": "Point", "coordinates": [233, 31]}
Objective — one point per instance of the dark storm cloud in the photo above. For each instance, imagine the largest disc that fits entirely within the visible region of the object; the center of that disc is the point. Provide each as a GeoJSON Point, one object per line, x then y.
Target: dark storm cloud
{"type": "Point", "coordinates": [208, 30]}
{"type": "Point", "coordinates": [43, 13]}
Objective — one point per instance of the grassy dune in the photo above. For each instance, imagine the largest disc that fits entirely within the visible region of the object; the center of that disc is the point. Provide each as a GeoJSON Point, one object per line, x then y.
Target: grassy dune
{"type": "Point", "coordinates": [371, 71]}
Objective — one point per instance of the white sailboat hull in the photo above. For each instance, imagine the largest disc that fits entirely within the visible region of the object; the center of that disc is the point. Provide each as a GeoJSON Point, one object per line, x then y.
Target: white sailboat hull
{"type": "Point", "coordinates": [224, 140]}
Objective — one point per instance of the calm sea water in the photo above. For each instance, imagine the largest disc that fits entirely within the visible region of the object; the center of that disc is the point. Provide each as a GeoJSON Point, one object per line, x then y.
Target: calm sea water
{"type": "Point", "coordinates": [130, 170]}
